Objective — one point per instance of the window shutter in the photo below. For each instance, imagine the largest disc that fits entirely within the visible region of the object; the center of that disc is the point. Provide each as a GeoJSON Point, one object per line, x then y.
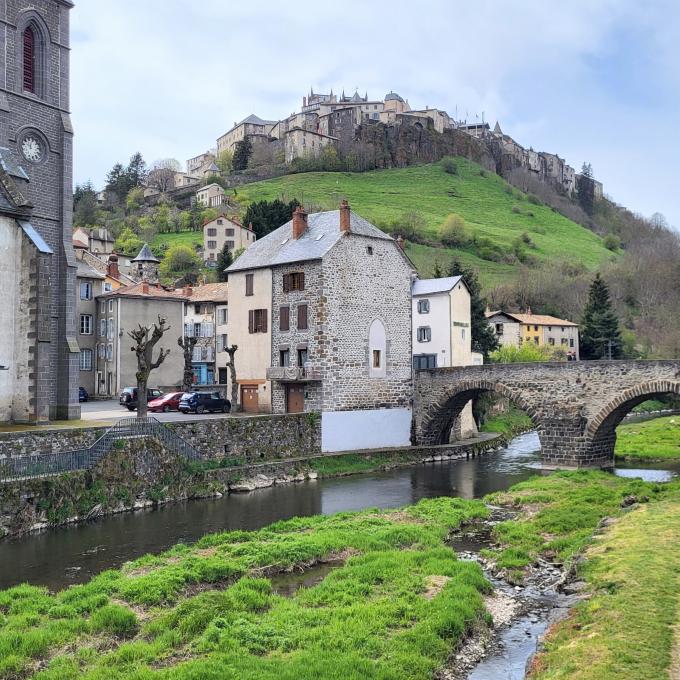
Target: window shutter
{"type": "Point", "coordinates": [284, 319]}
{"type": "Point", "coordinates": [302, 317]}
{"type": "Point", "coordinates": [249, 284]}
{"type": "Point", "coordinates": [301, 281]}
{"type": "Point", "coordinates": [264, 320]}
{"type": "Point", "coordinates": [286, 283]}
{"type": "Point", "coordinates": [29, 60]}
{"type": "Point", "coordinates": [251, 321]}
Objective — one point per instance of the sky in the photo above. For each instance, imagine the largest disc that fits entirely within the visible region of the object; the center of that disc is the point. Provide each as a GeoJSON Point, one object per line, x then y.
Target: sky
{"type": "Point", "coordinates": [594, 81]}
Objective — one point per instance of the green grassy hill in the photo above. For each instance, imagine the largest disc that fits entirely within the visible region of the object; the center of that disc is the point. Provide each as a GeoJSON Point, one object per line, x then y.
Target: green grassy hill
{"type": "Point", "coordinates": [491, 208]}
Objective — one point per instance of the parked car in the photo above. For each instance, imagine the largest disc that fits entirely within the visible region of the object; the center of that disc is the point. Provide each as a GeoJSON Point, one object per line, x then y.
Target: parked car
{"type": "Point", "coordinates": [165, 403]}
{"type": "Point", "coordinates": [128, 397]}
{"type": "Point", "coordinates": [199, 402]}
{"type": "Point", "coordinates": [82, 394]}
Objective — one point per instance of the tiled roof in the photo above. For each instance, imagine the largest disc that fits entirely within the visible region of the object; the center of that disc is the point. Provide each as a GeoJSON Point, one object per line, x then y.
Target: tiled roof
{"type": "Point", "coordinates": [209, 292]}
{"type": "Point", "coordinates": [153, 291]}
{"type": "Point", "coordinates": [533, 319]}
{"type": "Point", "coordinates": [323, 232]}
{"type": "Point", "coordinates": [430, 286]}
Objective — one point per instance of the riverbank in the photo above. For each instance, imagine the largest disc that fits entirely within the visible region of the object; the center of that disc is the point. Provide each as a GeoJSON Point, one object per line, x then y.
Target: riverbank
{"type": "Point", "coordinates": [651, 440]}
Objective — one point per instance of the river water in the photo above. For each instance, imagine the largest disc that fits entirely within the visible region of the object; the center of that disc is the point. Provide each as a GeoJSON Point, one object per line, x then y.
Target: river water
{"type": "Point", "coordinates": [60, 557]}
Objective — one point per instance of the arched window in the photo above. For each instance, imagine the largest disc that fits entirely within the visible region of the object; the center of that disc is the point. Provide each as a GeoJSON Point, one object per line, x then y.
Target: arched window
{"type": "Point", "coordinates": [377, 350]}
{"type": "Point", "coordinates": [29, 60]}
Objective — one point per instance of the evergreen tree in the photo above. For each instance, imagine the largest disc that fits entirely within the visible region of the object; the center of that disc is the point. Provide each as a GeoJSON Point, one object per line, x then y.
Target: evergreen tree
{"type": "Point", "coordinates": [224, 260]}
{"type": "Point", "coordinates": [136, 170]}
{"type": "Point", "coordinates": [585, 189]}
{"type": "Point", "coordinates": [437, 272]}
{"type": "Point", "coordinates": [266, 216]}
{"type": "Point", "coordinates": [242, 152]}
{"type": "Point", "coordinates": [85, 207]}
{"type": "Point", "coordinates": [483, 338]}
{"type": "Point", "coordinates": [600, 333]}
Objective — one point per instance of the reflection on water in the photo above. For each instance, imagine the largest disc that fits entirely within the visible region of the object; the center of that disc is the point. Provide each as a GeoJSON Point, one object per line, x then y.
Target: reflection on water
{"type": "Point", "coordinates": [60, 557]}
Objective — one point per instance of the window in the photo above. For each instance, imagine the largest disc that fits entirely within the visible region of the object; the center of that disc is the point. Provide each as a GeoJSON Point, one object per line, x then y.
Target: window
{"type": "Point", "coordinates": [571, 342]}
{"type": "Point", "coordinates": [219, 221]}
{"type": "Point", "coordinates": [423, 306]}
{"type": "Point", "coordinates": [228, 232]}
{"type": "Point", "coordinates": [212, 245]}
{"type": "Point", "coordinates": [229, 244]}
{"type": "Point", "coordinates": [536, 341]}
{"type": "Point", "coordinates": [302, 317]}
{"type": "Point", "coordinates": [535, 328]}
{"type": "Point", "coordinates": [369, 250]}
{"type": "Point", "coordinates": [499, 329]}
{"type": "Point", "coordinates": [109, 352]}
{"type": "Point", "coordinates": [197, 307]}
{"type": "Point", "coordinates": [249, 284]}
{"type": "Point", "coordinates": [29, 59]}
{"type": "Point", "coordinates": [197, 330]}
{"type": "Point", "coordinates": [109, 328]}
{"type": "Point", "coordinates": [110, 306]}
{"type": "Point", "coordinates": [102, 328]}
{"type": "Point", "coordinates": [108, 287]}
{"type": "Point", "coordinates": [196, 354]}
{"type": "Point", "coordinates": [212, 231]}
{"type": "Point", "coordinates": [462, 334]}
{"type": "Point", "coordinates": [284, 318]}
{"type": "Point", "coordinates": [377, 358]}
{"type": "Point", "coordinates": [421, 361]}
{"type": "Point", "coordinates": [564, 341]}
{"type": "Point", "coordinates": [551, 341]}
{"type": "Point", "coordinates": [302, 356]}
{"type": "Point", "coordinates": [85, 290]}
{"type": "Point", "coordinates": [222, 342]}
{"type": "Point", "coordinates": [294, 281]}
{"type": "Point", "coordinates": [284, 357]}
{"type": "Point", "coordinates": [424, 334]}
{"type": "Point", "coordinates": [102, 307]}
{"type": "Point", "coordinates": [85, 359]}
{"type": "Point", "coordinates": [222, 316]}
{"type": "Point", "coordinates": [86, 324]}
{"type": "Point", "coordinates": [377, 342]}
{"type": "Point", "coordinates": [257, 321]}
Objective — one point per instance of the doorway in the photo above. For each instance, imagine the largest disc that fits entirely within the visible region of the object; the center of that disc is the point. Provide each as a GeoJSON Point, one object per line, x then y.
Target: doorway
{"type": "Point", "coordinates": [249, 399]}
{"type": "Point", "coordinates": [295, 398]}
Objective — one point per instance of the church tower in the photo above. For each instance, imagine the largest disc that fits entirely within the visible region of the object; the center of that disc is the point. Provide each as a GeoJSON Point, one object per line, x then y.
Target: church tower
{"type": "Point", "coordinates": [39, 354]}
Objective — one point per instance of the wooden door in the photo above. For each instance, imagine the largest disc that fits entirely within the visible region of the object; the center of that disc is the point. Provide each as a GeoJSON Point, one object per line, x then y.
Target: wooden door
{"type": "Point", "coordinates": [222, 372]}
{"type": "Point", "coordinates": [295, 398]}
{"type": "Point", "coordinates": [249, 399]}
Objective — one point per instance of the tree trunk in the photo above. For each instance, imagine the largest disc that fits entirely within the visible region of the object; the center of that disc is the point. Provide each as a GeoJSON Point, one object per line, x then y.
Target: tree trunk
{"type": "Point", "coordinates": [235, 406]}
{"type": "Point", "coordinates": [142, 382]}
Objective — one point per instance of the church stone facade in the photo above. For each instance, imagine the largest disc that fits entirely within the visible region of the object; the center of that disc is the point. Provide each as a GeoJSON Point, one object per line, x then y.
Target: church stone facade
{"type": "Point", "coordinates": [39, 353]}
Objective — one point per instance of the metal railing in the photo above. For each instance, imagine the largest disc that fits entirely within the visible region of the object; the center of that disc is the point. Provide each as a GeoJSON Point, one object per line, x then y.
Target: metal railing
{"type": "Point", "coordinates": [294, 373]}
{"type": "Point", "coordinates": [30, 466]}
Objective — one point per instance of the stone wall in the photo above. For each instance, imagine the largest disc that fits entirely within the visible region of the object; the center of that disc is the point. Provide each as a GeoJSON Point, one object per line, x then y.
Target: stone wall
{"type": "Point", "coordinates": [47, 441]}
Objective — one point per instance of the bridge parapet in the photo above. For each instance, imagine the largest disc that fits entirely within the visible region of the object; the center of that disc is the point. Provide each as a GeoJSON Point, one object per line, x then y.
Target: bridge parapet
{"type": "Point", "coordinates": [575, 406]}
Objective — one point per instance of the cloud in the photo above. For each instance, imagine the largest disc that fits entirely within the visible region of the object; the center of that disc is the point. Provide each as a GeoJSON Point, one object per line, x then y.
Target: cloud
{"type": "Point", "coordinates": [592, 80]}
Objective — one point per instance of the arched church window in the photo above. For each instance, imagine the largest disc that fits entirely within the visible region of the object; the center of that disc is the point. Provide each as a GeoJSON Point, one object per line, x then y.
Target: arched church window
{"type": "Point", "coordinates": [29, 61]}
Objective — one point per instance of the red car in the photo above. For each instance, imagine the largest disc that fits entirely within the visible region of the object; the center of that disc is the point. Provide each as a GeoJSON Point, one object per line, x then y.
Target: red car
{"type": "Point", "coordinates": [165, 403]}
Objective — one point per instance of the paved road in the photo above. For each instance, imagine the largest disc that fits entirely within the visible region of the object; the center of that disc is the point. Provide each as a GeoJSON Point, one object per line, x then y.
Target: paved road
{"type": "Point", "coordinates": [110, 409]}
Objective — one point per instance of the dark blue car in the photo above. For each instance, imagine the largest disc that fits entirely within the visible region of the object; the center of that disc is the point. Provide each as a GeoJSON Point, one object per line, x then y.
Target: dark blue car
{"type": "Point", "coordinates": [82, 394]}
{"type": "Point", "coordinates": [200, 402]}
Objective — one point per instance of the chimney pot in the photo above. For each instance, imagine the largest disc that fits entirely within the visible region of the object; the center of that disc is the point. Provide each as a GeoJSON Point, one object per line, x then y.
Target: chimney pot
{"type": "Point", "coordinates": [112, 266]}
{"type": "Point", "coordinates": [345, 218]}
{"type": "Point", "coordinates": [145, 288]}
{"type": "Point", "coordinates": [188, 291]}
{"type": "Point", "coordinates": [400, 242]}
{"type": "Point", "coordinates": [299, 222]}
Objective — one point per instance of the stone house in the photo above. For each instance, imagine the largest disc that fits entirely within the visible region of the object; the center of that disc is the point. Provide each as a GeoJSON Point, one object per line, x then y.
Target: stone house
{"type": "Point", "coordinates": [300, 142]}
{"type": "Point", "coordinates": [211, 196]}
{"type": "Point", "coordinates": [513, 329]}
{"type": "Point", "coordinates": [223, 231]}
{"type": "Point", "coordinates": [323, 306]}
{"type": "Point", "coordinates": [201, 165]}
{"type": "Point", "coordinates": [250, 126]}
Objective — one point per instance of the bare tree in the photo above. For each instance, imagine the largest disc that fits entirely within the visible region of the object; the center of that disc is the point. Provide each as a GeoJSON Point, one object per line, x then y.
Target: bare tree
{"type": "Point", "coordinates": [146, 340]}
{"type": "Point", "coordinates": [231, 351]}
{"type": "Point", "coordinates": [187, 344]}
{"type": "Point", "coordinates": [162, 174]}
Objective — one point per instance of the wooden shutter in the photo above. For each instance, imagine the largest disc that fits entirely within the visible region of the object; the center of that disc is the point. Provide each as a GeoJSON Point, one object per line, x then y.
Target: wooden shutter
{"type": "Point", "coordinates": [249, 284]}
{"type": "Point", "coordinates": [263, 313]}
{"type": "Point", "coordinates": [286, 283]}
{"type": "Point", "coordinates": [302, 317]}
{"type": "Point", "coordinates": [284, 319]}
{"type": "Point", "coordinates": [301, 281]}
{"type": "Point", "coordinates": [29, 60]}
{"type": "Point", "coordinates": [251, 321]}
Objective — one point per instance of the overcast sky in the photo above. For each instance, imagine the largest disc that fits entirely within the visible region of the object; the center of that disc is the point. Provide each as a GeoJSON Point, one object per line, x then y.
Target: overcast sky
{"type": "Point", "coordinates": [591, 80]}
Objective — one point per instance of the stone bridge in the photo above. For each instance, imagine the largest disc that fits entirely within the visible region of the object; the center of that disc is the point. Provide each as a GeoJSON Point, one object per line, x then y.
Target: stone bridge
{"type": "Point", "coordinates": [575, 406]}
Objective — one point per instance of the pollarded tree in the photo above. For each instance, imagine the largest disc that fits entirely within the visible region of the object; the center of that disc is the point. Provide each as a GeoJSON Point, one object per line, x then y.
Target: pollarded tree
{"type": "Point", "coordinates": [187, 344]}
{"type": "Point", "coordinates": [600, 332]}
{"type": "Point", "coordinates": [231, 351]}
{"type": "Point", "coordinates": [146, 339]}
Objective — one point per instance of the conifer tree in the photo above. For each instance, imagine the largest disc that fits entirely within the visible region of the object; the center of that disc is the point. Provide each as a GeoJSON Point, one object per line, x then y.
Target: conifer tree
{"type": "Point", "coordinates": [483, 338]}
{"type": "Point", "coordinates": [224, 260]}
{"type": "Point", "coordinates": [585, 189]}
{"type": "Point", "coordinates": [242, 152]}
{"type": "Point", "coordinates": [600, 333]}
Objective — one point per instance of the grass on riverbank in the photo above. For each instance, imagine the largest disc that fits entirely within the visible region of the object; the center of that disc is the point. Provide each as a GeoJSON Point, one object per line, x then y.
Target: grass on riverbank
{"type": "Point", "coordinates": [657, 439]}
{"type": "Point", "coordinates": [510, 423]}
{"type": "Point", "coordinates": [626, 629]}
{"type": "Point", "coordinates": [207, 610]}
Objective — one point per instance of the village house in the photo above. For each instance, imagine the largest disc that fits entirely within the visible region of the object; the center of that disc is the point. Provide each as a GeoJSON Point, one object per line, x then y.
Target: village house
{"type": "Point", "coordinates": [322, 305]}
{"type": "Point", "coordinates": [512, 329]}
{"type": "Point", "coordinates": [202, 165]}
{"type": "Point", "coordinates": [211, 196]}
{"type": "Point", "coordinates": [223, 231]}
{"type": "Point", "coordinates": [441, 331]}
{"type": "Point", "coordinates": [90, 285]}
{"type": "Point", "coordinates": [248, 127]}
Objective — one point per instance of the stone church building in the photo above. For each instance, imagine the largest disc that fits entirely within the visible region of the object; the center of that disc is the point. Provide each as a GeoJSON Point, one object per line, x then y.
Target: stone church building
{"type": "Point", "coordinates": [38, 348]}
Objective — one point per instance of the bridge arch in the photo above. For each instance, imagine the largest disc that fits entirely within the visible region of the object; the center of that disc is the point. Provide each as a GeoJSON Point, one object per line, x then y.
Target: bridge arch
{"type": "Point", "coordinates": [601, 429]}
{"type": "Point", "coordinates": [440, 416]}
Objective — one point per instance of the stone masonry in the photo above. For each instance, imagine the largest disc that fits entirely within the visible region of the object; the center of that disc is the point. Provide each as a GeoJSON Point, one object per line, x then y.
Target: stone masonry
{"type": "Point", "coordinates": [575, 406]}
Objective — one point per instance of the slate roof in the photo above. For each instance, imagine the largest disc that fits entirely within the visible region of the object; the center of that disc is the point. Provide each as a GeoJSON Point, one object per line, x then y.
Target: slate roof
{"type": "Point", "coordinates": [255, 120]}
{"type": "Point", "coordinates": [145, 255]}
{"type": "Point", "coordinates": [84, 271]}
{"type": "Point", "coordinates": [393, 96]}
{"type": "Point", "coordinates": [431, 286]}
{"type": "Point", "coordinates": [323, 232]}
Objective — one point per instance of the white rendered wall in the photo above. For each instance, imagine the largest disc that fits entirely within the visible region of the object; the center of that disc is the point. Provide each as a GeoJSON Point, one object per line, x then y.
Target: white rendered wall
{"type": "Point", "coordinates": [370, 429]}
{"type": "Point", "coordinates": [439, 321]}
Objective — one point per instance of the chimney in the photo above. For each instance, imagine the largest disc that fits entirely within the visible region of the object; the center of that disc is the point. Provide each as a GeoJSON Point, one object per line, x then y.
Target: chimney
{"type": "Point", "coordinates": [299, 222]}
{"type": "Point", "coordinates": [344, 217]}
{"type": "Point", "coordinates": [529, 310]}
{"type": "Point", "coordinates": [112, 266]}
{"type": "Point", "coordinates": [145, 287]}
{"type": "Point", "coordinates": [400, 242]}
{"type": "Point", "coordinates": [188, 291]}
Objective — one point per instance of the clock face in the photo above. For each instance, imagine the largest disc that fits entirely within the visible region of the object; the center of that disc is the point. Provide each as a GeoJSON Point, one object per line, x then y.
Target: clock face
{"type": "Point", "coordinates": [32, 149]}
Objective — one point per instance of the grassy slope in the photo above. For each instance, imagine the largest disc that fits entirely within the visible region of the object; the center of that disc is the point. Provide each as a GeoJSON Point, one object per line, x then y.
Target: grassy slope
{"type": "Point", "coordinates": [207, 611]}
{"type": "Point", "coordinates": [486, 203]}
{"type": "Point", "coordinates": [183, 238]}
{"type": "Point", "coordinates": [657, 439]}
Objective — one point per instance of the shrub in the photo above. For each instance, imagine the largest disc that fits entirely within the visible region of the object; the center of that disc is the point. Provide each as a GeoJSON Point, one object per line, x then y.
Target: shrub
{"type": "Point", "coordinates": [612, 242]}
{"type": "Point", "coordinates": [488, 250]}
{"type": "Point", "coordinates": [516, 209]}
{"type": "Point", "coordinates": [482, 173]}
{"type": "Point", "coordinates": [453, 231]}
{"type": "Point", "coordinates": [526, 239]}
{"type": "Point", "coordinates": [526, 353]}
{"type": "Point", "coordinates": [449, 166]}
{"type": "Point", "coordinates": [114, 619]}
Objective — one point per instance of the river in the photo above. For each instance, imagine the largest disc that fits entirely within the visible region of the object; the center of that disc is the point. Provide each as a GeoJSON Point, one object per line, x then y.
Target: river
{"type": "Point", "coordinates": [60, 557]}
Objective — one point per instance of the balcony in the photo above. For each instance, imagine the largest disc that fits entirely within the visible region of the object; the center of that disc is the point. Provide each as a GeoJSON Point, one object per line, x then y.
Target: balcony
{"type": "Point", "coordinates": [298, 374]}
